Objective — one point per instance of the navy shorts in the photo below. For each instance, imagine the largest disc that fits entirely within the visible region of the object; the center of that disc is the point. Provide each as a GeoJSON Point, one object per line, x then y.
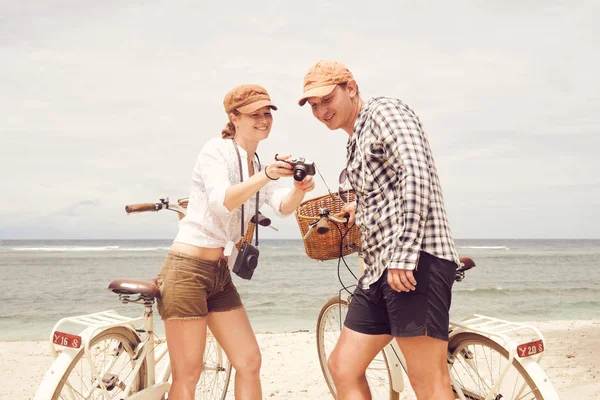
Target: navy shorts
{"type": "Point", "coordinates": [381, 310]}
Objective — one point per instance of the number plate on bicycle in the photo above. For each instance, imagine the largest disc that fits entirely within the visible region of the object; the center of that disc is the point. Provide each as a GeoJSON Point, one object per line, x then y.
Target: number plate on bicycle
{"type": "Point", "coordinates": [530, 349]}
{"type": "Point", "coordinates": [66, 339]}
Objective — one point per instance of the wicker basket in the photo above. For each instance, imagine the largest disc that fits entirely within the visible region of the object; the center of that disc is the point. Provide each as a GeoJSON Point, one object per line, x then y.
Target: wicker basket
{"type": "Point", "coordinates": [247, 236]}
{"type": "Point", "coordinates": [327, 246]}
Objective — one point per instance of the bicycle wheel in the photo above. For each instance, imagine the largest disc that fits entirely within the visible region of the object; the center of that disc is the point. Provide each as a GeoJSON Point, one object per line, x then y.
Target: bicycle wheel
{"type": "Point", "coordinates": [476, 365]}
{"type": "Point", "coordinates": [112, 354]}
{"type": "Point", "coordinates": [216, 372]}
{"type": "Point", "coordinates": [329, 326]}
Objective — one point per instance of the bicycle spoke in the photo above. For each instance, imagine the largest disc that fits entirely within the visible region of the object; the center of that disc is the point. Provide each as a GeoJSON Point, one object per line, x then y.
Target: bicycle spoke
{"type": "Point", "coordinates": [481, 370]}
{"type": "Point", "coordinates": [215, 373]}
{"type": "Point", "coordinates": [111, 370]}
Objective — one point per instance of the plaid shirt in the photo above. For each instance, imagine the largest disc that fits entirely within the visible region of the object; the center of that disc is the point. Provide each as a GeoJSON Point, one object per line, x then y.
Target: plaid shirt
{"type": "Point", "coordinates": [400, 208]}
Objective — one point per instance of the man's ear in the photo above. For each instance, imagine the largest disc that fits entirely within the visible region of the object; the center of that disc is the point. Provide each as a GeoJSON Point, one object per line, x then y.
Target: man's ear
{"type": "Point", "coordinates": [352, 87]}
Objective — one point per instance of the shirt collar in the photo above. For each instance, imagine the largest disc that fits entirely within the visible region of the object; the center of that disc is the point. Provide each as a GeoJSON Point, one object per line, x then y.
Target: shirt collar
{"type": "Point", "coordinates": [360, 121]}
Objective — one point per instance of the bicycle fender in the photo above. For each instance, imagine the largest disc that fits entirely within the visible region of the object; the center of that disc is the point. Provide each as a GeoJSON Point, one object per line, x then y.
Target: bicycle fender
{"type": "Point", "coordinates": [395, 368]}
{"type": "Point", "coordinates": [540, 377]}
{"type": "Point", "coordinates": [55, 373]}
{"type": "Point", "coordinates": [58, 368]}
{"type": "Point", "coordinates": [154, 392]}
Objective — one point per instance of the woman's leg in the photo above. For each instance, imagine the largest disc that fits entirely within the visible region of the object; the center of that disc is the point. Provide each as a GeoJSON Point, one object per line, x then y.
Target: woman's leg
{"type": "Point", "coordinates": [235, 335]}
{"type": "Point", "coordinates": [186, 339]}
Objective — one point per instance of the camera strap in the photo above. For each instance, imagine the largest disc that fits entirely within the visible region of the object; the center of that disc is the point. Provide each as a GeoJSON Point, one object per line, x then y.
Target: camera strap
{"type": "Point", "coordinates": [257, 193]}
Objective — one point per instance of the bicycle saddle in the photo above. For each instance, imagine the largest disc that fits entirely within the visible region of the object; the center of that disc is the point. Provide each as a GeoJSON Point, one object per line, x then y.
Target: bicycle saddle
{"type": "Point", "coordinates": [467, 263]}
{"type": "Point", "coordinates": [145, 287]}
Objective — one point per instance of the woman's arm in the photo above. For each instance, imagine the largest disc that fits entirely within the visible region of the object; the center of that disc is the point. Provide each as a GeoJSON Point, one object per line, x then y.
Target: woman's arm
{"type": "Point", "coordinates": [293, 199]}
{"type": "Point", "coordinates": [238, 194]}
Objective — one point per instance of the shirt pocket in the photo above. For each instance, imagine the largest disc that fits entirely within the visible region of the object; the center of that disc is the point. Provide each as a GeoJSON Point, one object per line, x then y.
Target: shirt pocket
{"type": "Point", "coordinates": [376, 152]}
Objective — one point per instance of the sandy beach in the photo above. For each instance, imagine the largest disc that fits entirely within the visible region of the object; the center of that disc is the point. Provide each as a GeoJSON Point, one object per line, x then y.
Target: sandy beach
{"type": "Point", "coordinates": [291, 367]}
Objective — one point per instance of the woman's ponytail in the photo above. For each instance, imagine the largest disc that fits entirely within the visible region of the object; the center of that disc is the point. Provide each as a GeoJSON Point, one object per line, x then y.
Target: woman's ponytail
{"type": "Point", "coordinates": [229, 131]}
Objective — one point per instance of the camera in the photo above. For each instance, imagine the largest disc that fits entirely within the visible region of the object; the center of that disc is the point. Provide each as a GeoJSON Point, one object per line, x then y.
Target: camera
{"type": "Point", "coordinates": [302, 167]}
{"type": "Point", "coordinates": [246, 261]}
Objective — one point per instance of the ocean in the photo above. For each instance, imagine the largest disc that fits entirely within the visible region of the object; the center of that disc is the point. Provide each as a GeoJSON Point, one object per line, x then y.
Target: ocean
{"type": "Point", "coordinates": [522, 280]}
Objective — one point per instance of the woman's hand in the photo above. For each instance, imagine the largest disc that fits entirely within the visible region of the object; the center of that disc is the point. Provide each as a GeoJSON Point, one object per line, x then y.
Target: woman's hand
{"type": "Point", "coordinates": [305, 185]}
{"type": "Point", "coordinates": [277, 168]}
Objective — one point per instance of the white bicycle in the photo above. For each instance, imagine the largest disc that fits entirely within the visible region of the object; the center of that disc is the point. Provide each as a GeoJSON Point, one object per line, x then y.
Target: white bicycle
{"type": "Point", "coordinates": [109, 356]}
{"type": "Point", "coordinates": [488, 358]}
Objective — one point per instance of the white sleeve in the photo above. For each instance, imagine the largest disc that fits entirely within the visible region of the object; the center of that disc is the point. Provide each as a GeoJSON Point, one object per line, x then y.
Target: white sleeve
{"type": "Point", "coordinates": [275, 193]}
{"type": "Point", "coordinates": [212, 169]}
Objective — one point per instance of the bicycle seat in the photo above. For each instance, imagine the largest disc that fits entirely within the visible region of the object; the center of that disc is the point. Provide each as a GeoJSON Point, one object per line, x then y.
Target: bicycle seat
{"type": "Point", "coordinates": [145, 287]}
{"type": "Point", "coordinates": [467, 263]}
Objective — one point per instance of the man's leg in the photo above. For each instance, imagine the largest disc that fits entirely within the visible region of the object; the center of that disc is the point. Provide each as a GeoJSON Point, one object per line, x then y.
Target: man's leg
{"type": "Point", "coordinates": [419, 321]}
{"type": "Point", "coordinates": [427, 367]}
{"type": "Point", "coordinates": [349, 360]}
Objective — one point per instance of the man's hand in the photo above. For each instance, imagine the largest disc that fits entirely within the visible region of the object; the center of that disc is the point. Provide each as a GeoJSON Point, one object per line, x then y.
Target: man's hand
{"type": "Point", "coordinates": [350, 208]}
{"type": "Point", "coordinates": [401, 280]}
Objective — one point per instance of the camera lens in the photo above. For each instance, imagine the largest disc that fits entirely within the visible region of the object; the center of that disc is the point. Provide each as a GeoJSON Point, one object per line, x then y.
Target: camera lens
{"type": "Point", "coordinates": [299, 172]}
{"type": "Point", "coordinates": [252, 261]}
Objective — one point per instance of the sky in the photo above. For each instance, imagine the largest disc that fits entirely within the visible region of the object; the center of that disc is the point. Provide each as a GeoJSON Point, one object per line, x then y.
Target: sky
{"type": "Point", "coordinates": [108, 103]}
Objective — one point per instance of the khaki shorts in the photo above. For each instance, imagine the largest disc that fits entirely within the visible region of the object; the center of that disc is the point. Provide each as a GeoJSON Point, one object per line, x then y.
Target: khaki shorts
{"type": "Point", "coordinates": [191, 287]}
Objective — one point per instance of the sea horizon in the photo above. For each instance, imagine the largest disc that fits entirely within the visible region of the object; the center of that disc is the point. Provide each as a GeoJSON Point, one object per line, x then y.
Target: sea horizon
{"type": "Point", "coordinates": [515, 279]}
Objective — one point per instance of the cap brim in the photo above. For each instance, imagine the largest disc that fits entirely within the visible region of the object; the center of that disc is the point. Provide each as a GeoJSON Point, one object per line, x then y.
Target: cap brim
{"type": "Point", "coordinates": [250, 108]}
{"type": "Point", "coordinates": [316, 92]}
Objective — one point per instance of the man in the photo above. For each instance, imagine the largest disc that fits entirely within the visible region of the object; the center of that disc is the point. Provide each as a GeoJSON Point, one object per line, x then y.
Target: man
{"type": "Point", "coordinates": [407, 247]}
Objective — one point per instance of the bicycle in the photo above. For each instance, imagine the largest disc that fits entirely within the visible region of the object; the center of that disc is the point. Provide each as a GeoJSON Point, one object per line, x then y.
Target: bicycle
{"type": "Point", "coordinates": [488, 358]}
{"type": "Point", "coordinates": [117, 357]}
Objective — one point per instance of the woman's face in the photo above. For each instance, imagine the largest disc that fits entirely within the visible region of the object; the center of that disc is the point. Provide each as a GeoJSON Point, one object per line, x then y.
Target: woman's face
{"type": "Point", "coordinates": [254, 126]}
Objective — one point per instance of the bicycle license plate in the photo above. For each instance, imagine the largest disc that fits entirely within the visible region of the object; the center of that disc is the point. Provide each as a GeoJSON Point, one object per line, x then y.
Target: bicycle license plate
{"type": "Point", "coordinates": [66, 339]}
{"type": "Point", "coordinates": [530, 349]}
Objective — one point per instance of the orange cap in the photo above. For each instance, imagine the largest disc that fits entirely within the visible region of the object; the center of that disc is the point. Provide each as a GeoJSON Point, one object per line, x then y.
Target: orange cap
{"type": "Point", "coordinates": [247, 99]}
{"type": "Point", "coordinates": [321, 79]}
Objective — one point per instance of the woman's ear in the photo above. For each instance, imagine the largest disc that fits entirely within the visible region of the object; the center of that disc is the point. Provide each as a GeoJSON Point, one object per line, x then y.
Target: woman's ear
{"type": "Point", "coordinates": [234, 118]}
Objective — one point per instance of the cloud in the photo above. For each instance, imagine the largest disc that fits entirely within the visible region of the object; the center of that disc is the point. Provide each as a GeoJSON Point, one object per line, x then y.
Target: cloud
{"type": "Point", "coordinates": [77, 209]}
{"type": "Point", "coordinates": [108, 103]}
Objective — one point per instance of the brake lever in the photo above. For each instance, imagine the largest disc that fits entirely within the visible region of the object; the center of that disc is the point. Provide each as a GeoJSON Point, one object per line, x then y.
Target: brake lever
{"type": "Point", "coordinates": [310, 228]}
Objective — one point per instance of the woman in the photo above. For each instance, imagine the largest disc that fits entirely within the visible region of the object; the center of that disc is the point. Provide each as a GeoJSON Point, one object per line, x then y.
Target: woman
{"type": "Point", "coordinates": [195, 281]}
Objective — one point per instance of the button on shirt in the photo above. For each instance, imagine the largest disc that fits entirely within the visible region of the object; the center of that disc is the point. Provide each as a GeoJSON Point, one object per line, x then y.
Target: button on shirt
{"type": "Point", "coordinates": [400, 208]}
{"type": "Point", "coordinates": [208, 223]}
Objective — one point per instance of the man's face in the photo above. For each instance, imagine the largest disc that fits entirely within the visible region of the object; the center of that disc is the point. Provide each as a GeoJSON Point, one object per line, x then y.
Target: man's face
{"type": "Point", "coordinates": [333, 109]}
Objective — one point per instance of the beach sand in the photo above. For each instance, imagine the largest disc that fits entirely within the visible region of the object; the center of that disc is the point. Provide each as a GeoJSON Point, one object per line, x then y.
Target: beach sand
{"type": "Point", "coordinates": [291, 367]}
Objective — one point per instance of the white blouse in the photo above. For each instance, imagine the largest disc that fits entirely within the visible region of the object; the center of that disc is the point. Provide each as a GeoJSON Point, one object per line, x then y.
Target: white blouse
{"type": "Point", "coordinates": [208, 222]}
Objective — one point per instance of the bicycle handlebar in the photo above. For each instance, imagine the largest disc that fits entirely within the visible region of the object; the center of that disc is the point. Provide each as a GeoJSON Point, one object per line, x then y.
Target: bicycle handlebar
{"type": "Point", "coordinates": [142, 207]}
{"type": "Point", "coordinates": [163, 204]}
{"type": "Point", "coordinates": [322, 223]}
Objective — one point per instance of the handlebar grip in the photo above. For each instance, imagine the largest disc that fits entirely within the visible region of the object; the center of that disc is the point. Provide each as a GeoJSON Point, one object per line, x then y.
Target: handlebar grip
{"type": "Point", "coordinates": [143, 207]}
{"type": "Point", "coordinates": [344, 215]}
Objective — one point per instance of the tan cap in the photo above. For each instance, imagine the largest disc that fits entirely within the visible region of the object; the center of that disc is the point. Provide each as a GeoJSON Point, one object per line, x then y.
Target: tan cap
{"type": "Point", "coordinates": [321, 79]}
{"type": "Point", "coordinates": [247, 99]}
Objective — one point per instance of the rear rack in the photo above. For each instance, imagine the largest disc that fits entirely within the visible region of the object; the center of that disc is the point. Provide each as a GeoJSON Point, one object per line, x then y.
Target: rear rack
{"type": "Point", "coordinates": [95, 321]}
{"type": "Point", "coordinates": [511, 334]}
